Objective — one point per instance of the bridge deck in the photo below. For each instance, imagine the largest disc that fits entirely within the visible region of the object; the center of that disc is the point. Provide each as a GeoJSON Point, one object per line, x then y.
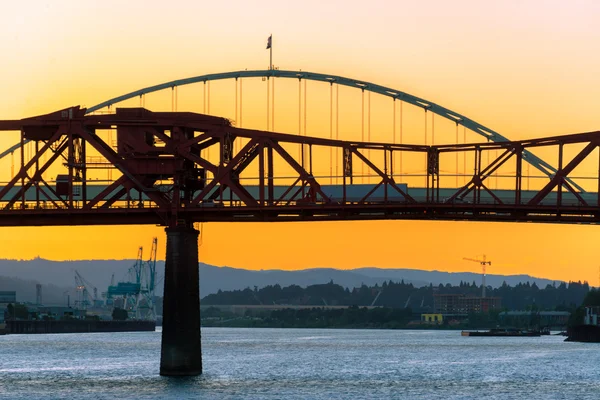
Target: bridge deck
{"type": "Point", "coordinates": [229, 208]}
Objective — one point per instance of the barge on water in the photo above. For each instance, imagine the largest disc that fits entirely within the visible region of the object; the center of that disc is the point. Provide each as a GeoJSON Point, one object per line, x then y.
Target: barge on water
{"type": "Point", "coordinates": [589, 331]}
{"type": "Point", "coordinates": [503, 332]}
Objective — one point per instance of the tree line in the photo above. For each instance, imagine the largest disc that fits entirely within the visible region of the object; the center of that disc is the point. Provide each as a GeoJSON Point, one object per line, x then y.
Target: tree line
{"type": "Point", "coordinates": [523, 296]}
{"type": "Point", "coordinates": [316, 317]}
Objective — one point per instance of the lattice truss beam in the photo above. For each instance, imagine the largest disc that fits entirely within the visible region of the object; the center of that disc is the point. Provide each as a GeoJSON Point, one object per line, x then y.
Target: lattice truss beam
{"type": "Point", "coordinates": [170, 167]}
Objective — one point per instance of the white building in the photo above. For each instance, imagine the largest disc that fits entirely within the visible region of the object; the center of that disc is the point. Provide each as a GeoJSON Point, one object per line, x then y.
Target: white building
{"type": "Point", "coordinates": [591, 316]}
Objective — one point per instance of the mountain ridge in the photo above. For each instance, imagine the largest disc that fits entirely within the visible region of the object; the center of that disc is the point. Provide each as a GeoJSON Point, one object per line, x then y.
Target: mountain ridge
{"type": "Point", "coordinates": [60, 274]}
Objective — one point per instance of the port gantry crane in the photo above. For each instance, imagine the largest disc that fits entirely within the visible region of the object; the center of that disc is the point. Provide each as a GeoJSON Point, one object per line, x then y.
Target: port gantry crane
{"type": "Point", "coordinates": [148, 280]}
{"type": "Point", "coordinates": [84, 298]}
{"type": "Point", "coordinates": [483, 263]}
{"type": "Point", "coordinates": [138, 292]}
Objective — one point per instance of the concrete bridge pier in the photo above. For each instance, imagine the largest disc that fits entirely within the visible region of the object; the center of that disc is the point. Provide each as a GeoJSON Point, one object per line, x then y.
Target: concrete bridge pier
{"type": "Point", "coordinates": [181, 353]}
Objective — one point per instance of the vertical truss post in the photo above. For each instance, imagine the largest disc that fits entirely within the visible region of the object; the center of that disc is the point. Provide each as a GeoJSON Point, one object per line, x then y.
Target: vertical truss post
{"type": "Point", "coordinates": [236, 106]}
{"type": "Point", "coordinates": [70, 162]}
{"type": "Point", "coordinates": [261, 173]}
{"type": "Point", "coordinates": [598, 178]}
{"type": "Point", "coordinates": [37, 178]}
{"type": "Point", "coordinates": [385, 171]}
{"type": "Point", "coordinates": [362, 133]}
{"type": "Point", "coordinates": [301, 149]}
{"type": "Point", "coordinates": [433, 174]}
{"type": "Point", "coordinates": [300, 106]}
{"type": "Point", "coordinates": [347, 169]}
{"type": "Point", "coordinates": [392, 164]}
{"type": "Point", "coordinates": [227, 148]}
{"type": "Point", "coordinates": [476, 177]}
{"type": "Point", "coordinates": [22, 172]}
{"type": "Point", "coordinates": [270, 176]}
{"type": "Point", "coordinates": [437, 172]}
{"type": "Point", "coordinates": [176, 200]}
{"type": "Point", "coordinates": [83, 173]}
{"type": "Point", "coordinates": [425, 136]}
{"type": "Point", "coordinates": [330, 132]}
{"type": "Point", "coordinates": [393, 133]}
{"type": "Point", "coordinates": [337, 131]}
{"type": "Point", "coordinates": [344, 188]}
{"type": "Point", "coordinates": [369, 133]}
{"type": "Point", "coordinates": [479, 175]}
{"type": "Point", "coordinates": [303, 156]}
{"type": "Point", "coordinates": [519, 174]}
{"type": "Point", "coordinates": [348, 163]}
{"type": "Point", "coordinates": [310, 160]}
{"type": "Point", "coordinates": [559, 186]}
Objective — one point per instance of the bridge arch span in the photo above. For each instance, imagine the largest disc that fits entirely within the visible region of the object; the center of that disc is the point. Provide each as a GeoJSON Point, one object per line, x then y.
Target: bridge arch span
{"type": "Point", "coordinates": [427, 105]}
{"type": "Point", "coordinates": [395, 94]}
{"type": "Point", "coordinates": [317, 77]}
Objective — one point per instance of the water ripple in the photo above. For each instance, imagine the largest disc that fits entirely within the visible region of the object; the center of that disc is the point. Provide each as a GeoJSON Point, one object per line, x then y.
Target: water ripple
{"type": "Point", "coordinates": [301, 364]}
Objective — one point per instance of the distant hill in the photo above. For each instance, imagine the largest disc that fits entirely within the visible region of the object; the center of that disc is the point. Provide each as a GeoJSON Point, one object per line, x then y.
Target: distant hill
{"type": "Point", "coordinates": [453, 278]}
{"type": "Point", "coordinates": [98, 272]}
{"type": "Point", "coordinates": [25, 289]}
{"type": "Point", "coordinates": [62, 273]}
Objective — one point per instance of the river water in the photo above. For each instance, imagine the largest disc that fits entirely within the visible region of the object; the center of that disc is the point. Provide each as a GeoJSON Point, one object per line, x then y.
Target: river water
{"type": "Point", "coordinates": [301, 364]}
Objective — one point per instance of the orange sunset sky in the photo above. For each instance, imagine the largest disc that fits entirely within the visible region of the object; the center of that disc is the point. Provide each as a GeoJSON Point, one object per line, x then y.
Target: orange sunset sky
{"type": "Point", "coordinates": [523, 68]}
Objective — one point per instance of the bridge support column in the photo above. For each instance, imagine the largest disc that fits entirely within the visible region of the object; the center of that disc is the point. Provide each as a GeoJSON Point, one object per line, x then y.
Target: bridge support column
{"type": "Point", "coordinates": [181, 353]}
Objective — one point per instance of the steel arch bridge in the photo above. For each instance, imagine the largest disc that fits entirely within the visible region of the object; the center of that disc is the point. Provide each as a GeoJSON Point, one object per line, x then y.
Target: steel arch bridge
{"type": "Point", "coordinates": [457, 118]}
{"type": "Point", "coordinates": [165, 177]}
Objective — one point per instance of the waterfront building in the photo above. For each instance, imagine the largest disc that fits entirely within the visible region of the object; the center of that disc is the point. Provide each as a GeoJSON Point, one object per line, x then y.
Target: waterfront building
{"type": "Point", "coordinates": [459, 304]}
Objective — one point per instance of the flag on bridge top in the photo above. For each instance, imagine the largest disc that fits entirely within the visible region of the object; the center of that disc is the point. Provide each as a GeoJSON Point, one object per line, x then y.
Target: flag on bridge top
{"type": "Point", "coordinates": [269, 42]}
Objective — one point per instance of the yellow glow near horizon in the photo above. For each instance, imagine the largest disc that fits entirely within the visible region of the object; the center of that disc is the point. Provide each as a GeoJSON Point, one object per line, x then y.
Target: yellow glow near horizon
{"type": "Point", "coordinates": [525, 69]}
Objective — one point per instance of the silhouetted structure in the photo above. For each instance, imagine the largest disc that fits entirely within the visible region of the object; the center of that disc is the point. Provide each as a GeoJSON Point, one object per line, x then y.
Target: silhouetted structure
{"type": "Point", "coordinates": [461, 304]}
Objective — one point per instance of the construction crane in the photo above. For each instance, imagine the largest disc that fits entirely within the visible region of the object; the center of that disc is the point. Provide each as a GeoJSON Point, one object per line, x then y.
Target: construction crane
{"type": "Point", "coordinates": [483, 263]}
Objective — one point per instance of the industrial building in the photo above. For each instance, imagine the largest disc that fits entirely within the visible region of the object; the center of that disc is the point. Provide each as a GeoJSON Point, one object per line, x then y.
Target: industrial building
{"type": "Point", "coordinates": [540, 318]}
{"type": "Point", "coordinates": [6, 298]}
{"type": "Point", "coordinates": [459, 304]}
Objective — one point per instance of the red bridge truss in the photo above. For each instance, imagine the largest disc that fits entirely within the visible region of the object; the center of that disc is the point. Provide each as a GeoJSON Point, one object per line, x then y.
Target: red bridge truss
{"type": "Point", "coordinates": [165, 173]}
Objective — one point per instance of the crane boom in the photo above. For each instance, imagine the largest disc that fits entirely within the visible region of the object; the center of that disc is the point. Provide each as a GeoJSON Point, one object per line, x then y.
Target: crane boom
{"type": "Point", "coordinates": [483, 263]}
{"type": "Point", "coordinates": [152, 265]}
{"type": "Point", "coordinates": [84, 295]}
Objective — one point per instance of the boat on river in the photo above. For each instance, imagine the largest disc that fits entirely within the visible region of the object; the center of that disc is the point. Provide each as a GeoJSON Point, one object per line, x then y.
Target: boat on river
{"type": "Point", "coordinates": [589, 331]}
{"type": "Point", "coordinates": [503, 332]}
